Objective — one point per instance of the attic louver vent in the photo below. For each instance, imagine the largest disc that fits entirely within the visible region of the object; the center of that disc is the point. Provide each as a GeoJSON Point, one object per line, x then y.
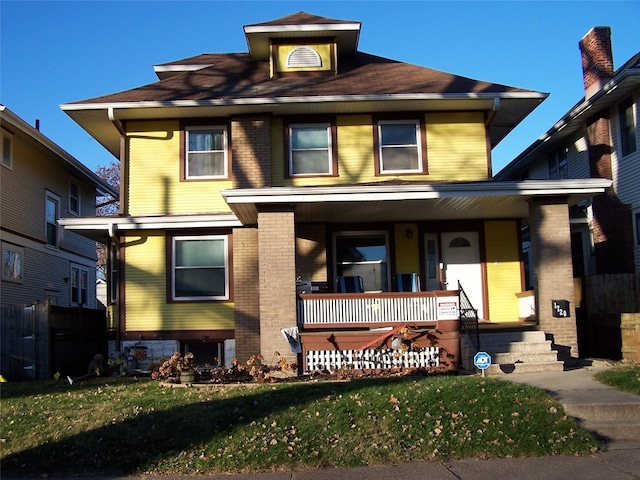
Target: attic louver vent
{"type": "Point", "coordinates": [303, 57]}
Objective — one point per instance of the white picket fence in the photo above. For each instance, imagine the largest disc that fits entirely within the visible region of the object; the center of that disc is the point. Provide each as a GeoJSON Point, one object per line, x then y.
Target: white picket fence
{"type": "Point", "coordinates": [331, 360]}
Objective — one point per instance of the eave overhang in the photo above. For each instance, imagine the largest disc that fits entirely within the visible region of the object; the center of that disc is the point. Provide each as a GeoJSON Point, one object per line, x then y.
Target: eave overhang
{"type": "Point", "coordinates": [400, 203]}
{"type": "Point", "coordinates": [613, 92]}
{"type": "Point", "coordinates": [504, 110]}
{"type": "Point", "coordinates": [101, 229]}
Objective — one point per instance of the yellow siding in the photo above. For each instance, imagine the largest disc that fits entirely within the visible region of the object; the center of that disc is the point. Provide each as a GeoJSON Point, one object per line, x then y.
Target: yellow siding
{"type": "Point", "coordinates": [407, 250]}
{"type": "Point", "coordinates": [146, 293]}
{"type": "Point", "coordinates": [503, 270]}
{"type": "Point", "coordinates": [457, 148]}
{"type": "Point", "coordinates": [324, 50]}
{"type": "Point", "coordinates": [154, 174]}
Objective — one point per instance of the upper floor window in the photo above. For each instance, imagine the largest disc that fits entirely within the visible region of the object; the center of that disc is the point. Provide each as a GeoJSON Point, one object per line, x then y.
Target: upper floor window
{"type": "Point", "coordinates": [7, 149]}
{"type": "Point", "coordinates": [627, 127]}
{"type": "Point", "coordinates": [558, 164]}
{"type": "Point", "coordinates": [206, 153]}
{"type": "Point", "coordinates": [310, 150]}
{"type": "Point", "coordinates": [12, 257]}
{"type": "Point", "coordinates": [52, 214]}
{"type": "Point", "coordinates": [200, 268]}
{"type": "Point", "coordinates": [79, 285]}
{"type": "Point", "coordinates": [74, 197]}
{"type": "Point", "coordinates": [399, 147]}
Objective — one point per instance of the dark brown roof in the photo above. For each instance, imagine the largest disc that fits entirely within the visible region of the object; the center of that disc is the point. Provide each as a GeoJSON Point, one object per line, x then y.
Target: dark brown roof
{"type": "Point", "coordinates": [301, 18]}
{"type": "Point", "coordinates": [236, 76]}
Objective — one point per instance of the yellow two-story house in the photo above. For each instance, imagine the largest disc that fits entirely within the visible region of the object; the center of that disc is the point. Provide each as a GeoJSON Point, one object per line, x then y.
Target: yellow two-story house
{"type": "Point", "coordinates": [323, 203]}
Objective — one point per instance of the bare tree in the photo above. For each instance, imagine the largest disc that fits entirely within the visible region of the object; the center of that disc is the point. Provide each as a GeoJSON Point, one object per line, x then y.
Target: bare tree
{"type": "Point", "coordinates": [106, 206]}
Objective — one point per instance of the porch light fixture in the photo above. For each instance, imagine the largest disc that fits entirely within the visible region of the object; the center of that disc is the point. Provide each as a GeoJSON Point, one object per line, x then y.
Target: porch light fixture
{"type": "Point", "coordinates": [408, 233]}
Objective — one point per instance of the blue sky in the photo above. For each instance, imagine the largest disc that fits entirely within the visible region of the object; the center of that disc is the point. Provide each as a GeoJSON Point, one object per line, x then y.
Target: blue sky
{"type": "Point", "coordinates": [55, 52]}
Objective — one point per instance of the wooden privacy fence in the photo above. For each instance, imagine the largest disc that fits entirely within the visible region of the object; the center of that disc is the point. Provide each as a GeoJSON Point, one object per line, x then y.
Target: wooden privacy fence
{"type": "Point", "coordinates": [609, 316]}
{"type": "Point", "coordinates": [40, 339]}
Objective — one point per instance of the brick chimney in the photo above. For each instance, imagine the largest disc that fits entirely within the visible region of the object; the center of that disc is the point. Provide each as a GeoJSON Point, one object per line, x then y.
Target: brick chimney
{"type": "Point", "coordinates": [597, 59]}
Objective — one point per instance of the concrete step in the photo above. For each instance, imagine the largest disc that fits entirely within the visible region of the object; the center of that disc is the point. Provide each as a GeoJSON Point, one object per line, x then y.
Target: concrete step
{"type": "Point", "coordinates": [613, 430]}
{"type": "Point", "coordinates": [506, 368]}
{"type": "Point", "coordinates": [508, 337]}
{"type": "Point", "coordinates": [544, 356]}
{"type": "Point", "coordinates": [603, 412]}
{"type": "Point", "coordinates": [520, 347]}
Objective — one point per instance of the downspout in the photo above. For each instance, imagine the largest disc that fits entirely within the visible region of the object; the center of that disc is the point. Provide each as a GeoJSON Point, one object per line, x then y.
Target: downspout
{"type": "Point", "coordinates": [490, 117]}
{"type": "Point", "coordinates": [118, 124]}
{"type": "Point", "coordinates": [111, 232]}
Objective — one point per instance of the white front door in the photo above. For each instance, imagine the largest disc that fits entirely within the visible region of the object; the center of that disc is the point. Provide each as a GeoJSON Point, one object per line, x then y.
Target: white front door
{"type": "Point", "coordinates": [461, 263]}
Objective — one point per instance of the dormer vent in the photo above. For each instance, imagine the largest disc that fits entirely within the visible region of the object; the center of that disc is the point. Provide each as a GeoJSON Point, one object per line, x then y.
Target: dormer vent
{"type": "Point", "coordinates": [303, 57]}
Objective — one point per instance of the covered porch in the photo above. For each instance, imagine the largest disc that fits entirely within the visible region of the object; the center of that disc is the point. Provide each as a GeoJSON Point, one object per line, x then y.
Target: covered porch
{"type": "Point", "coordinates": [296, 231]}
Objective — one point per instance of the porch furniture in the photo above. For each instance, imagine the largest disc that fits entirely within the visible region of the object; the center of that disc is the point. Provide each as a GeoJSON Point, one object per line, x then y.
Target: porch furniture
{"type": "Point", "coordinates": [407, 282]}
{"type": "Point", "coordinates": [350, 284]}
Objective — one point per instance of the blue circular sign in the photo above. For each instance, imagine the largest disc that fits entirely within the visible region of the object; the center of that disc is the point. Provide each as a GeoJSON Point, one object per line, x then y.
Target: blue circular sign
{"type": "Point", "coordinates": [482, 360]}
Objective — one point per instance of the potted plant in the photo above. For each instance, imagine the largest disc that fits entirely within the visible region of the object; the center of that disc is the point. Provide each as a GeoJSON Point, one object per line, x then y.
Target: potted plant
{"type": "Point", "coordinates": [180, 366]}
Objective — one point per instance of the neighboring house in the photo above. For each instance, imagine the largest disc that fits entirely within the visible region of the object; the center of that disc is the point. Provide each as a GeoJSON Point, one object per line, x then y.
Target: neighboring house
{"type": "Point", "coordinates": [39, 184]}
{"type": "Point", "coordinates": [253, 183]}
{"type": "Point", "coordinates": [596, 138]}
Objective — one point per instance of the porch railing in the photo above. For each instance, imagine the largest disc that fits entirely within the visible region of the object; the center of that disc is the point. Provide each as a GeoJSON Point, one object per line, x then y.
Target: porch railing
{"type": "Point", "coordinates": [469, 318]}
{"type": "Point", "coordinates": [371, 308]}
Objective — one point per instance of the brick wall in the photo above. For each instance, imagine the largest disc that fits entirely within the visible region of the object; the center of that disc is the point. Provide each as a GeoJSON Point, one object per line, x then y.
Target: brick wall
{"type": "Point", "coordinates": [551, 251]}
{"type": "Point", "coordinates": [251, 151]}
{"type": "Point", "coordinates": [246, 292]}
{"type": "Point", "coordinates": [597, 59]}
{"type": "Point", "coordinates": [276, 249]}
{"type": "Point", "coordinates": [612, 220]}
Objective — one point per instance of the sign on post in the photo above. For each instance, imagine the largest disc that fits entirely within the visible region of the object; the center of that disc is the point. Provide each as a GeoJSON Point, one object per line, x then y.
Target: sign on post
{"type": "Point", "coordinates": [482, 360]}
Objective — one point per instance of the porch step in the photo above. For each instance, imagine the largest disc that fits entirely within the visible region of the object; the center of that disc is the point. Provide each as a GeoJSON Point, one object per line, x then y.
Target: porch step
{"type": "Point", "coordinates": [524, 351]}
{"type": "Point", "coordinates": [619, 422]}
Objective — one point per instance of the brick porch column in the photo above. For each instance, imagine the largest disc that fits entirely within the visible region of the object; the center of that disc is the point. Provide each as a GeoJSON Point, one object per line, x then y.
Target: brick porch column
{"type": "Point", "coordinates": [246, 293]}
{"type": "Point", "coordinates": [277, 272]}
{"type": "Point", "coordinates": [551, 250]}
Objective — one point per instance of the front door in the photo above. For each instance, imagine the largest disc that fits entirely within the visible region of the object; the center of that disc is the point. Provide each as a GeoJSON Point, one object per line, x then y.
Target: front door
{"type": "Point", "coordinates": [461, 263]}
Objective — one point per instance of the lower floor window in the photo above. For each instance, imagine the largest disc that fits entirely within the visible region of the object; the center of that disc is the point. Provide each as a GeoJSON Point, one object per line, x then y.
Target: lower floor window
{"type": "Point", "coordinates": [12, 262]}
{"type": "Point", "coordinates": [79, 283]}
{"type": "Point", "coordinates": [200, 268]}
{"type": "Point", "coordinates": [364, 254]}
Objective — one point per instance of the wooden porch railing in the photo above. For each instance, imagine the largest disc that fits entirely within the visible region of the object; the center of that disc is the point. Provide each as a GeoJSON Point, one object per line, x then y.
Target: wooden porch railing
{"type": "Point", "coordinates": [324, 309]}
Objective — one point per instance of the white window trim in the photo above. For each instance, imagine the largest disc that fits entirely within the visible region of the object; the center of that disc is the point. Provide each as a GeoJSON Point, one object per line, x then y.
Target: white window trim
{"type": "Point", "coordinates": [329, 149]}
{"type": "Point", "coordinates": [225, 147]}
{"type": "Point", "coordinates": [19, 251]}
{"type": "Point", "coordinates": [7, 135]}
{"type": "Point", "coordinates": [52, 196]}
{"type": "Point", "coordinates": [418, 146]}
{"type": "Point", "coordinates": [225, 239]}
{"type": "Point", "coordinates": [78, 197]}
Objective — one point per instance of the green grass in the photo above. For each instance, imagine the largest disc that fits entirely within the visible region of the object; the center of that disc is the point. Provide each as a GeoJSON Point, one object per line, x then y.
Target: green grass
{"type": "Point", "coordinates": [134, 427]}
{"type": "Point", "coordinates": [623, 377]}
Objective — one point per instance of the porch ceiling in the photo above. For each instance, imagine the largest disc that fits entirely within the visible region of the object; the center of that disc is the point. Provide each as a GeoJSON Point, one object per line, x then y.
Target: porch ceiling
{"type": "Point", "coordinates": [374, 203]}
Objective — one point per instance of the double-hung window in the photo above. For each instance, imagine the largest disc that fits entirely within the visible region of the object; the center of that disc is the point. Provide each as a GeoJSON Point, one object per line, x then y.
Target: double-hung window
{"type": "Point", "coordinates": [400, 147]}
{"type": "Point", "coordinates": [79, 285]}
{"type": "Point", "coordinates": [200, 266]}
{"type": "Point", "coordinates": [310, 150]}
{"type": "Point", "coordinates": [74, 197]}
{"type": "Point", "coordinates": [12, 256]}
{"type": "Point", "coordinates": [206, 153]}
{"type": "Point", "coordinates": [52, 214]}
{"type": "Point", "coordinates": [7, 149]}
{"type": "Point", "coordinates": [627, 127]}
{"type": "Point", "coordinates": [558, 164]}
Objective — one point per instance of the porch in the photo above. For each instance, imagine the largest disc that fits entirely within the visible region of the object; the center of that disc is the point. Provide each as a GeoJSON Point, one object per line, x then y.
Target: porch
{"type": "Point", "coordinates": [382, 330]}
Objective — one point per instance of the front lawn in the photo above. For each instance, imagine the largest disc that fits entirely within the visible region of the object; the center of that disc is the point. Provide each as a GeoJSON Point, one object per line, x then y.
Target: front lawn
{"type": "Point", "coordinates": [118, 426]}
{"type": "Point", "coordinates": [623, 377]}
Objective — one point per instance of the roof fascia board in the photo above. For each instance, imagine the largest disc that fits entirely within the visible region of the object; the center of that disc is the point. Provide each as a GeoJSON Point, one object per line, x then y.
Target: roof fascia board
{"type": "Point", "coordinates": [304, 99]}
{"type": "Point", "coordinates": [414, 192]}
{"type": "Point", "coordinates": [573, 115]}
{"type": "Point", "coordinates": [302, 28]}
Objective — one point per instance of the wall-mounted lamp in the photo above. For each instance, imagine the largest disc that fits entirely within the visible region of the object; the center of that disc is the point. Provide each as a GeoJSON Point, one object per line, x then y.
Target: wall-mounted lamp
{"type": "Point", "coordinates": [66, 279]}
{"type": "Point", "coordinates": [408, 233]}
